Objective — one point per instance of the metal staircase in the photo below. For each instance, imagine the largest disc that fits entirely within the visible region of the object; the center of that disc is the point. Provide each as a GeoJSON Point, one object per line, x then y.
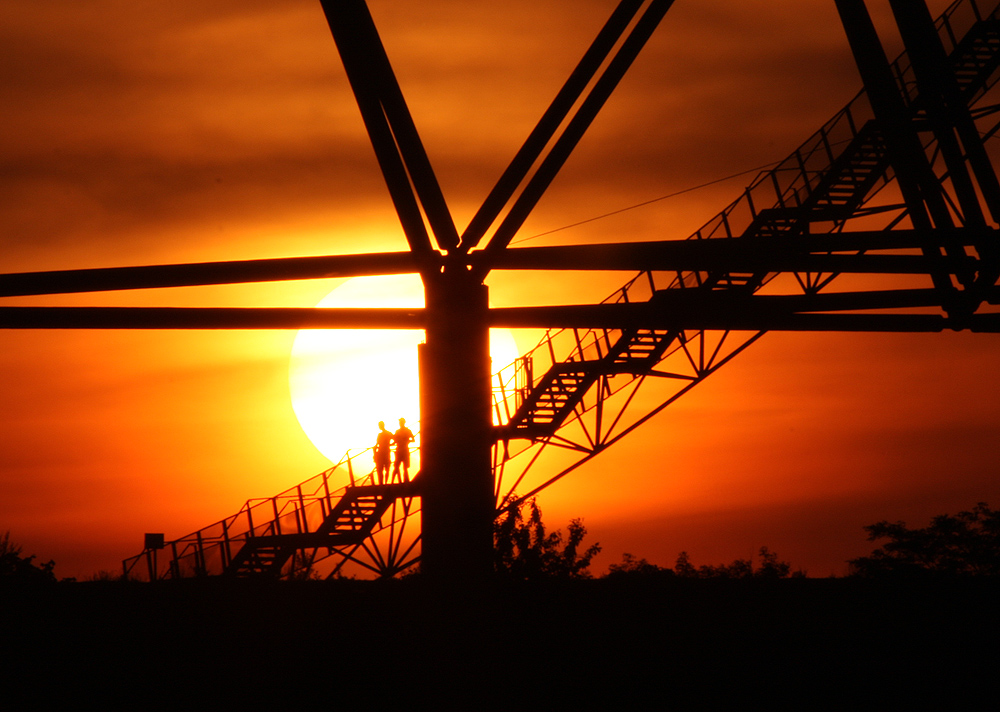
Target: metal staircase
{"type": "Point", "coordinates": [349, 523]}
{"type": "Point", "coordinates": [361, 522]}
{"type": "Point", "coordinates": [560, 390]}
{"type": "Point", "coordinates": [830, 182]}
{"type": "Point", "coordinates": [849, 178]}
{"type": "Point", "coordinates": [976, 55]}
{"type": "Point", "coordinates": [831, 194]}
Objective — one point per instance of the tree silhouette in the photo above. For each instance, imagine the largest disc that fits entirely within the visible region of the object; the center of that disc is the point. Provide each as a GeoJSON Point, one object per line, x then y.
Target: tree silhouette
{"type": "Point", "coordinates": [15, 567]}
{"type": "Point", "coordinates": [967, 544]}
{"type": "Point", "coordinates": [524, 551]}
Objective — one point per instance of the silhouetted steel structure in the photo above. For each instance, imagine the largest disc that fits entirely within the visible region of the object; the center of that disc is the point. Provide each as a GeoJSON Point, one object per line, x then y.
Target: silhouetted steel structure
{"type": "Point", "coordinates": [897, 187]}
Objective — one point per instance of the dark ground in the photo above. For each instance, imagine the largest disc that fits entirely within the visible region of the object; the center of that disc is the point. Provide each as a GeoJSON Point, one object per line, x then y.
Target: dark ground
{"type": "Point", "coordinates": [626, 644]}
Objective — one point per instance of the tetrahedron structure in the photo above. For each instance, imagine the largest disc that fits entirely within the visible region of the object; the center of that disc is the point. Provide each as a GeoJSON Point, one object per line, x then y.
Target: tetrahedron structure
{"type": "Point", "coordinates": [897, 190]}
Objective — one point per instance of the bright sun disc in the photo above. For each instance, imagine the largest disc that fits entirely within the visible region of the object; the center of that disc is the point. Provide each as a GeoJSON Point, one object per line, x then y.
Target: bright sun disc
{"type": "Point", "coordinates": [344, 381]}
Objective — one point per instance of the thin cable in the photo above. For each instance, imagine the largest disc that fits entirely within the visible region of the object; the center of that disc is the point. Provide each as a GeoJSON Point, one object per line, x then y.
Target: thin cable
{"type": "Point", "coordinates": [649, 202]}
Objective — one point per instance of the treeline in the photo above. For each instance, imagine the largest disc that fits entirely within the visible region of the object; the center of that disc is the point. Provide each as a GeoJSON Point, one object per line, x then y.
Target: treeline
{"type": "Point", "coordinates": [960, 545]}
{"type": "Point", "coordinates": [525, 550]}
{"type": "Point", "coordinates": [966, 544]}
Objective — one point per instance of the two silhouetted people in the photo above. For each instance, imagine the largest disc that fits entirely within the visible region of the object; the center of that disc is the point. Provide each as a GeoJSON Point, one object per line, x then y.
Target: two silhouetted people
{"type": "Point", "coordinates": [383, 446]}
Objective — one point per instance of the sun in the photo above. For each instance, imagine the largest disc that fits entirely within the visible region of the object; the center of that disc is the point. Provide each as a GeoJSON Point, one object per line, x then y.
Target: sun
{"type": "Point", "coordinates": [344, 381]}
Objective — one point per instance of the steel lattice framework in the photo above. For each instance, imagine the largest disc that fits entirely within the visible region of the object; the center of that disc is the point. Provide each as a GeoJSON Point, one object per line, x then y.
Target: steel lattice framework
{"type": "Point", "coordinates": [897, 189]}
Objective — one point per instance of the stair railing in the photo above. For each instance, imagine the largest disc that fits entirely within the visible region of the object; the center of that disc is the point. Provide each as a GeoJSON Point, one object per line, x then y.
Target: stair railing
{"type": "Point", "coordinates": [208, 551]}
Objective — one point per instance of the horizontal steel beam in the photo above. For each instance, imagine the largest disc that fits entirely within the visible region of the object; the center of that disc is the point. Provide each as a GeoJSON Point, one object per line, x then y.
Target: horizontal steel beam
{"type": "Point", "coordinates": [743, 254]}
{"type": "Point", "coordinates": [744, 262]}
{"type": "Point", "coordinates": [762, 321]}
{"type": "Point", "coordinates": [207, 318]}
{"type": "Point", "coordinates": [675, 309]}
{"type": "Point", "coordinates": [706, 309]}
{"type": "Point", "coordinates": [205, 273]}
{"type": "Point", "coordinates": [775, 321]}
{"type": "Point", "coordinates": [754, 254]}
{"type": "Point", "coordinates": [527, 317]}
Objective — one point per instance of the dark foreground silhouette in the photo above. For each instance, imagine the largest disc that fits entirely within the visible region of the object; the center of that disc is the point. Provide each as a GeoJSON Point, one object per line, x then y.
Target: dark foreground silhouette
{"type": "Point", "coordinates": [669, 643]}
{"type": "Point", "coordinates": [543, 635]}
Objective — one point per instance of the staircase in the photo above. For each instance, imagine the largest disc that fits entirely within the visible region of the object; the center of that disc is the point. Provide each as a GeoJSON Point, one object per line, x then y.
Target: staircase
{"type": "Point", "coordinates": [976, 57]}
{"type": "Point", "coordinates": [849, 178]}
{"type": "Point", "coordinates": [349, 522]}
{"type": "Point", "coordinates": [262, 539]}
{"type": "Point", "coordinates": [819, 187]}
{"type": "Point", "coordinates": [639, 350]}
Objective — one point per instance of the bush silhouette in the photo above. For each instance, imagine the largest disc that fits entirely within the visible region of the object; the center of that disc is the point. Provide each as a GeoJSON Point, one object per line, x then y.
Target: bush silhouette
{"type": "Point", "coordinates": [15, 567]}
{"type": "Point", "coordinates": [769, 568]}
{"type": "Point", "coordinates": [633, 567]}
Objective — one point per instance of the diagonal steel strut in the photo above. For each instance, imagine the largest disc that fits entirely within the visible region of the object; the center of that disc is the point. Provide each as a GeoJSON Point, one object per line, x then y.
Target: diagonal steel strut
{"type": "Point", "coordinates": [577, 126]}
{"type": "Point", "coordinates": [549, 123]}
{"type": "Point", "coordinates": [401, 155]}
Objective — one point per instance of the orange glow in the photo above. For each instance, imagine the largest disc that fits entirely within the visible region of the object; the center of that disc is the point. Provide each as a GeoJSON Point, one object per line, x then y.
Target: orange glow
{"type": "Point", "coordinates": [344, 382]}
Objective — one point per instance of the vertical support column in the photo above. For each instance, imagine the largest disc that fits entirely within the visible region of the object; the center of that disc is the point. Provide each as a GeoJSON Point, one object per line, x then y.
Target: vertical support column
{"type": "Point", "coordinates": [456, 477]}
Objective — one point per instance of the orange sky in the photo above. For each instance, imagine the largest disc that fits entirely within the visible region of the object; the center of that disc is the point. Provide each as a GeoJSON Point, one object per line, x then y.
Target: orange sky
{"type": "Point", "coordinates": [226, 130]}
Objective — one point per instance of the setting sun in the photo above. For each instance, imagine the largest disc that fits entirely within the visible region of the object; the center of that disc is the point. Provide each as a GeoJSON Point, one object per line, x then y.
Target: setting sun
{"type": "Point", "coordinates": [343, 382]}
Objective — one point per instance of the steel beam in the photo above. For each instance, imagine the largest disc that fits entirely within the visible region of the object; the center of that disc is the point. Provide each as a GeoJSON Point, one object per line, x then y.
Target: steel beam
{"type": "Point", "coordinates": [740, 255]}
{"type": "Point", "coordinates": [577, 126]}
{"type": "Point", "coordinates": [624, 317]}
{"type": "Point", "coordinates": [948, 110]}
{"type": "Point", "coordinates": [919, 186]}
{"type": "Point", "coordinates": [852, 241]}
{"type": "Point", "coordinates": [207, 318]}
{"type": "Point", "coordinates": [931, 68]}
{"type": "Point", "coordinates": [664, 255]}
{"type": "Point", "coordinates": [680, 308]}
{"type": "Point", "coordinates": [401, 155]}
{"type": "Point", "coordinates": [547, 126]}
{"type": "Point", "coordinates": [205, 273]}
{"type": "Point", "coordinates": [959, 137]}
